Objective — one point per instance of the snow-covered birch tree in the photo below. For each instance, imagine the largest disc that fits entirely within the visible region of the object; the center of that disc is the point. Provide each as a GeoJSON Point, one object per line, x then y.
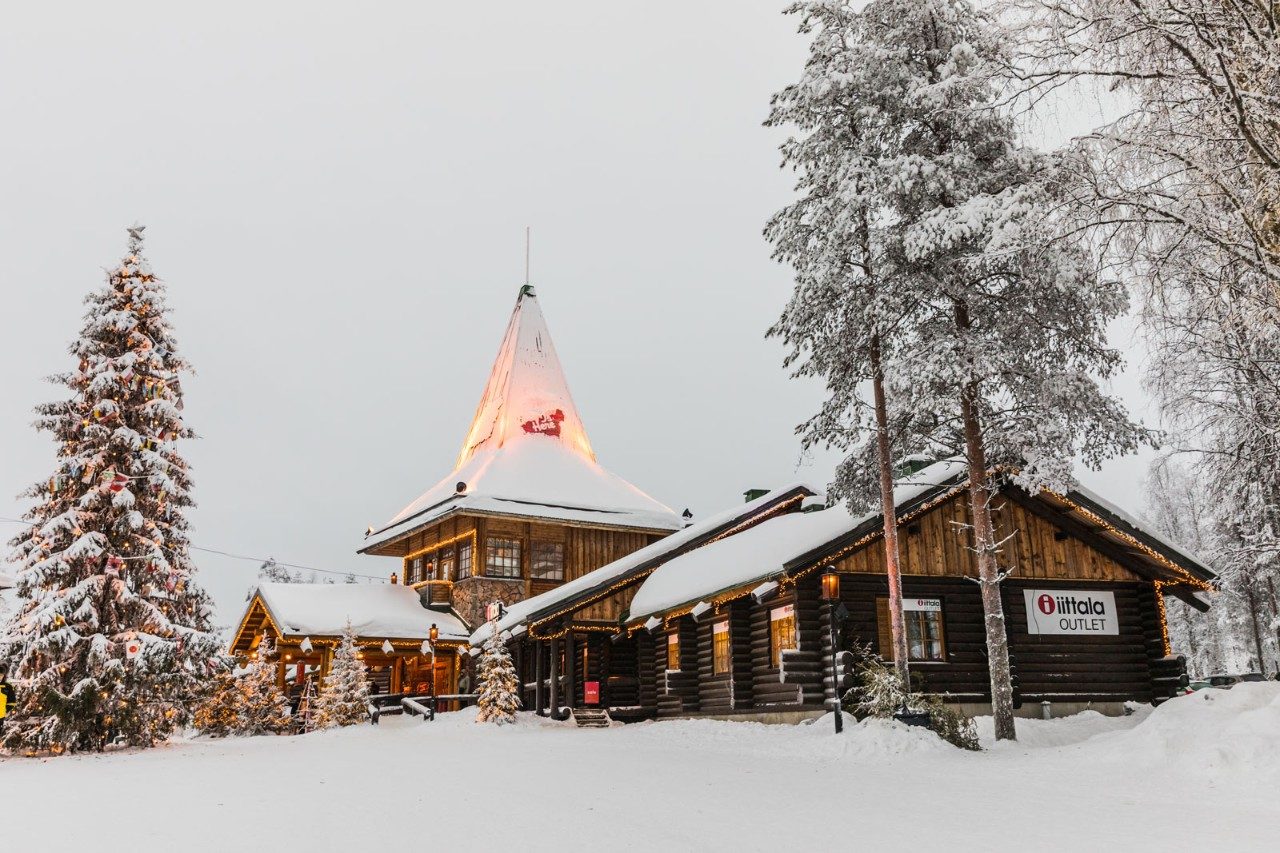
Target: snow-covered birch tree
{"type": "Point", "coordinates": [111, 638]}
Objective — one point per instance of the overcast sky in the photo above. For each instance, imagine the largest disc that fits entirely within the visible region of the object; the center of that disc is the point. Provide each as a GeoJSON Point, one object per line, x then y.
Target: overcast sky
{"type": "Point", "coordinates": [337, 194]}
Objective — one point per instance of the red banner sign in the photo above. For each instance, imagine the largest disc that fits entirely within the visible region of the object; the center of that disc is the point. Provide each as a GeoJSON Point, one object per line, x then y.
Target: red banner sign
{"type": "Point", "coordinates": [591, 692]}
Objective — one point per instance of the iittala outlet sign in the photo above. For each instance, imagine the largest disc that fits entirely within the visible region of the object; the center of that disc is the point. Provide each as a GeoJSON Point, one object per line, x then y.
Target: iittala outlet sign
{"type": "Point", "coordinates": [1071, 611]}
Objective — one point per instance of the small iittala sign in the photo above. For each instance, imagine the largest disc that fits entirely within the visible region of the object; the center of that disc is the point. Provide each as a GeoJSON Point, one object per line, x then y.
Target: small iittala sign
{"type": "Point", "coordinates": [1071, 611]}
{"type": "Point", "coordinates": [923, 605]}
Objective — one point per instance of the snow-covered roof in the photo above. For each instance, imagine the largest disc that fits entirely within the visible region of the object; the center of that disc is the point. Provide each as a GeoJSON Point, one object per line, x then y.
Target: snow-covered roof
{"type": "Point", "coordinates": [638, 561]}
{"type": "Point", "coordinates": [526, 452]}
{"type": "Point", "coordinates": [374, 610]}
{"type": "Point", "coordinates": [766, 549]}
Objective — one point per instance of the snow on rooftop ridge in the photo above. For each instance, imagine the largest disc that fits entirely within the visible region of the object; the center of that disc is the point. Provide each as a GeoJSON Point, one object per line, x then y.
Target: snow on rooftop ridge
{"type": "Point", "coordinates": [517, 613]}
{"type": "Point", "coordinates": [374, 610]}
{"type": "Point", "coordinates": [526, 396]}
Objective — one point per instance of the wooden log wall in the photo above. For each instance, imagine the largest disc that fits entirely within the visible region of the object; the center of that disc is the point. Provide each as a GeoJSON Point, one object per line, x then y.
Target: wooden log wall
{"type": "Point", "coordinates": [647, 671]}
{"type": "Point", "coordinates": [936, 545]}
{"type": "Point", "coordinates": [678, 689]}
{"type": "Point", "coordinates": [797, 682]}
{"type": "Point", "coordinates": [621, 662]}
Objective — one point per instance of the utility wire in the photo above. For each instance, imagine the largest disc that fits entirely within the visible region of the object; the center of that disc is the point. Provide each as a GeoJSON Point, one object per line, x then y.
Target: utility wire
{"type": "Point", "coordinates": [259, 560]}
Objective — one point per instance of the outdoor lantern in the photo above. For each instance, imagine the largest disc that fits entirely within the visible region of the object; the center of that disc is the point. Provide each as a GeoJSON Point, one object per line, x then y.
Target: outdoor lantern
{"type": "Point", "coordinates": [435, 632]}
{"type": "Point", "coordinates": [395, 579]}
{"type": "Point", "coordinates": [830, 585]}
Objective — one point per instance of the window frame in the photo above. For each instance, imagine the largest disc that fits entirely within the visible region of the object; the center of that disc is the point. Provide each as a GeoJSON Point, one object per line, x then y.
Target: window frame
{"type": "Point", "coordinates": [721, 649]}
{"type": "Point", "coordinates": [512, 559]}
{"type": "Point", "coordinates": [534, 571]}
{"type": "Point", "coordinates": [673, 647]}
{"type": "Point", "coordinates": [465, 572]}
{"type": "Point", "coordinates": [917, 620]}
{"type": "Point", "coordinates": [776, 646]}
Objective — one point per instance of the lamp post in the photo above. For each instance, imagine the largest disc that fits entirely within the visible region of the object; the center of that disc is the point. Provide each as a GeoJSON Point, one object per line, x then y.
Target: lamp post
{"type": "Point", "coordinates": [831, 595]}
{"type": "Point", "coordinates": [435, 635]}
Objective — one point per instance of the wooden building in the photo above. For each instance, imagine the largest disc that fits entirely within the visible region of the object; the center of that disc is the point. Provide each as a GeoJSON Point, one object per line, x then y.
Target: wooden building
{"type": "Point", "coordinates": [734, 626]}
{"type": "Point", "coordinates": [525, 510]}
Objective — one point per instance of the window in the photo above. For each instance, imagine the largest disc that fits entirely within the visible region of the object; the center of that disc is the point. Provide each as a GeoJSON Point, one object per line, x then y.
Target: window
{"type": "Point", "coordinates": [673, 651]}
{"type": "Point", "coordinates": [502, 558]}
{"type": "Point", "coordinates": [720, 656]}
{"type": "Point", "coordinates": [444, 565]}
{"type": "Point", "coordinates": [923, 620]}
{"type": "Point", "coordinates": [546, 561]}
{"type": "Point", "coordinates": [414, 572]}
{"type": "Point", "coordinates": [430, 571]}
{"type": "Point", "coordinates": [464, 560]}
{"type": "Point", "coordinates": [782, 632]}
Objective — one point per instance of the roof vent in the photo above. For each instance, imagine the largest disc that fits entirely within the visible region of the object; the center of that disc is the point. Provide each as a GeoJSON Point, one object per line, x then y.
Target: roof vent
{"type": "Point", "coordinates": [461, 488]}
{"type": "Point", "coordinates": [753, 494]}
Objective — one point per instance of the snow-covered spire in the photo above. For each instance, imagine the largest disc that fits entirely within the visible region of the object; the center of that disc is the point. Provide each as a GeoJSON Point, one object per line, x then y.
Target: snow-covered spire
{"type": "Point", "coordinates": [526, 396]}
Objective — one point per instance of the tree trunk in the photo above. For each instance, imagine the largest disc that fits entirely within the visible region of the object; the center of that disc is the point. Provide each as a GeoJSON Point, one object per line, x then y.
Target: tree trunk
{"type": "Point", "coordinates": [1251, 595]}
{"type": "Point", "coordinates": [888, 508]}
{"type": "Point", "coordinates": [984, 545]}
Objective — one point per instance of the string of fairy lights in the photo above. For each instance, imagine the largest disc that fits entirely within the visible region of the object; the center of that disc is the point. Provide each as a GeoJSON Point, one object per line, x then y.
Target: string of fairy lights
{"type": "Point", "coordinates": [248, 558]}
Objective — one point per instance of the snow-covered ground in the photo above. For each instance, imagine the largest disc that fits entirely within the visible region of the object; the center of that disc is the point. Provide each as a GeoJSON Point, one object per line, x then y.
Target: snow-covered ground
{"type": "Point", "coordinates": [1199, 773]}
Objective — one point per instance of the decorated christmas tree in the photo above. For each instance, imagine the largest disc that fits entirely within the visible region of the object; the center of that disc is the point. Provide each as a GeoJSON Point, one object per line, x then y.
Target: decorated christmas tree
{"type": "Point", "coordinates": [344, 698]}
{"type": "Point", "coordinates": [218, 714]}
{"type": "Point", "coordinates": [499, 688]}
{"type": "Point", "coordinates": [263, 707]}
{"type": "Point", "coordinates": [111, 639]}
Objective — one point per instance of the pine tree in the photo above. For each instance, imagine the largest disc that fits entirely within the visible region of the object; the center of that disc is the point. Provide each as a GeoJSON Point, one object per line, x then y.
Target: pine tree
{"type": "Point", "coordinates": [111, 639]}
{"type": "Point", "coordinates": [997, 323]}
{"type": "Point", "coordinates": [344, 698]}
{"type": "Point", "coordinates": [263, 707]}
{"type": "Point", "coordinates": [218, 714]}
{"type": "Point", "coordinates": [499, 697]}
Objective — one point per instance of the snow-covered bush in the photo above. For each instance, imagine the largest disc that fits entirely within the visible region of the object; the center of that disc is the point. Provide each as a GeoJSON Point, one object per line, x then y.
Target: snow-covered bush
{"type": "Point", "coordinates": [879, 693]}
{"type": "Point", "coordinates": [499, 688]}
{"type": "Point", "coordinates": [344, 698]}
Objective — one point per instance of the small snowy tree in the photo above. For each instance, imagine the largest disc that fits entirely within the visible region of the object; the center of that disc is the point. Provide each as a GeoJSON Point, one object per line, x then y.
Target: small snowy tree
{"type": "Point", "coordinates": [111, 639]}
{"type": "Point", "coordinates": [275, 573]}
{"type": "Point", "coordinates": [218, 714]}
{"type": "Point", "coordinates": [344, 698]}
{"type": "Point", "coordinates": [264, 709]}
{"type": "Point", "coordinates": [499, 697]}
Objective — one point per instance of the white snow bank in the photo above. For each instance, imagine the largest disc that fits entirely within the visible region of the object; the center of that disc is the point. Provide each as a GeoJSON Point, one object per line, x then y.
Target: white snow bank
{"type": "Point", "coordinates": [374, 610]}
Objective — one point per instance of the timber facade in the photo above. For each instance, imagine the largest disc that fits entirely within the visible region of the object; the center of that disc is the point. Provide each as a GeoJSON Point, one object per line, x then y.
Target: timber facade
{"type": "Point", "coordinates": [730, 653]}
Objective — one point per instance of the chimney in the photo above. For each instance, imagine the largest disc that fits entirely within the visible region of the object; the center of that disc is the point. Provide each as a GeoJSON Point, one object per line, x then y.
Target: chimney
{"type": "Point", "coordinates": [753, 494]}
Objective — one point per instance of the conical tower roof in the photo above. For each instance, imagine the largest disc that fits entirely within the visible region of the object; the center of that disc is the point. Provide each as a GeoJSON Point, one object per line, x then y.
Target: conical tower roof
{"type": "Point", "coordinates": [527, 452]}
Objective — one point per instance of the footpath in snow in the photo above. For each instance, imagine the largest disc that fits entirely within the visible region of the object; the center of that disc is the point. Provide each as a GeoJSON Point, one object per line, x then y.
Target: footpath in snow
{"type": "Point", "coordinates": [1200, 772]}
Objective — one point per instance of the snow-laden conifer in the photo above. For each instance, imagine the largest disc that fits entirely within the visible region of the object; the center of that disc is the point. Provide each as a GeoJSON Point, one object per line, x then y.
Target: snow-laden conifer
{"type": "Point", "coordinates": [111, 638]}
{"type": "Point", "coordinates": [264, 709]}
{"type": "Point", "coordinates": [499, 697]}
{"type": "Point", "coordinates": [344, 697]}
{"type": "Point", "coordinates": [997, 323]}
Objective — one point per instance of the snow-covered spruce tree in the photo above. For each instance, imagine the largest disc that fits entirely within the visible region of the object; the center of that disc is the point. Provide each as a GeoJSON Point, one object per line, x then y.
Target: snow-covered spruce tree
{"type": "Point", "coordinates": [1005, 343]}
{"type": "Point", "coordinates": [264, 709]}
{"type": "Point", "coordinates": [499, 697]}
{"type": "Point", "coordinates": [344, 698]}
{"type": "Point", "coordinates": [850, 300]}
{"type": "Point", "coordinates": [112, 639]}
{"type": "Point", "coordinates": [218, 713]}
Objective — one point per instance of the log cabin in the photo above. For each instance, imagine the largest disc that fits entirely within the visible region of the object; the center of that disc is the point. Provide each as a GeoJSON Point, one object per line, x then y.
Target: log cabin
{"type": "Point", "coordinates": [737, 628]}
{"type": "Point", "coordinates": [526, 510]}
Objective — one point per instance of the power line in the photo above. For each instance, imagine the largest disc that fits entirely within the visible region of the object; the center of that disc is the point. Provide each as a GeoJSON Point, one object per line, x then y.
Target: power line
{"type": "Point", "coordinates": [259, 560]}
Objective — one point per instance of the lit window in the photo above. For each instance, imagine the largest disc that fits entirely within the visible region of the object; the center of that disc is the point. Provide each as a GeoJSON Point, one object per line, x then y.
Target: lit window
{"type": "Point", "coordinates": [546, 561]}
{"type": "Point", "coordinates": [720, 656]}
{"type": "Point", "coordinates": [673, 651]}
{"type": "Point", "coordinates": [444, 565]}
{"type": "Point", "coordinates": [923, 620]}
{"type": "Point", "coordinates": [464, 560]}
{"type": "Point", "coordinates": [502, 558]}
{"type": "Point", "coordinates": [415, 570]}
{"type": "Point", "coordinates": [782, 632]}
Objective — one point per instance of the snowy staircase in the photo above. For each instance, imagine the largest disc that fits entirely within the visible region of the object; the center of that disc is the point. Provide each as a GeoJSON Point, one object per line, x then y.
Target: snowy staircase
{"type": "Point", "coordinates": [591, 718]}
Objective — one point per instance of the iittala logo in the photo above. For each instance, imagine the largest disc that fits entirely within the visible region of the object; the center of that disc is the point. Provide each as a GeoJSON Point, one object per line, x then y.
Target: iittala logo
{"type": "Point", "coordinates": [1071, 611]}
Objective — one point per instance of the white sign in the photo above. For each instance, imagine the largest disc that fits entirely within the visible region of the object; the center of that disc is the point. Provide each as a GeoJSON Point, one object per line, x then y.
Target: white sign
{"type": "Point", "coordinates": [493, 610]}
{"type": "Point", "coordinates": [720, 628]}
{"type": "Point", "coordinates": [1071, 611]}
{"type": "Point", "coordinates": [673, 639]}
{"type": "Point", "coordinates": [922, 605]}
{"type": "Point", "coordinates": [132, 648]}
{"type": "Point", "coordinates": [782, 613]}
